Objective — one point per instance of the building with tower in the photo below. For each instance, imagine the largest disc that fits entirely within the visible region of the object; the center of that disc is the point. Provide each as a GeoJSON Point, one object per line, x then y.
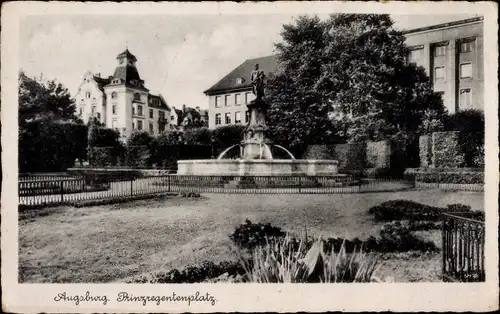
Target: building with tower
{"type": "Point", "coordinates": [121, 101]}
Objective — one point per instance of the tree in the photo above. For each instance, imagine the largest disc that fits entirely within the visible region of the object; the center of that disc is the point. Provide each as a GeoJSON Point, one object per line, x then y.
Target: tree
{"type": "Point", "coordinates": [197, 136]}
{"type": "Point", "coordinates": [48, 99]}
{"type": "Point", "coordinates": [354, 63]}
{"type": "Point", "coordinates": [51, 137]}
{"type": "Point", "coordinates": [298, 114]}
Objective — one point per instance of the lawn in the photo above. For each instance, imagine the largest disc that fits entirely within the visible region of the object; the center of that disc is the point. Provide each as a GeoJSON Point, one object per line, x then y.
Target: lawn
{"type": "Point", "coordinates": [112, 243]}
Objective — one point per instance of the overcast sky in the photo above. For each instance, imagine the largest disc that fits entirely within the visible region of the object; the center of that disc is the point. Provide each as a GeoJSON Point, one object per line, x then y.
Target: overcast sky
{"type": "Point", "coordinates": [178, 56]}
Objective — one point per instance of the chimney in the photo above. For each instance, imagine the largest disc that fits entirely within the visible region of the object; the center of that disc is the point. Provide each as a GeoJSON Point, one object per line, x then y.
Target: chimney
{"type": "Point", "coordinates": [183, 108]}
{"type": "Point", "coordinates": [98, 75]}
{"type": "Point", "coordinates": [198, 108]}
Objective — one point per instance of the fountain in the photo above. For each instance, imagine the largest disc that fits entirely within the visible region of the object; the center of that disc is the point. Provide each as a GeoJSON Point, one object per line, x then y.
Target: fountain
{"type": "Point", "coordinates": [256, 150]}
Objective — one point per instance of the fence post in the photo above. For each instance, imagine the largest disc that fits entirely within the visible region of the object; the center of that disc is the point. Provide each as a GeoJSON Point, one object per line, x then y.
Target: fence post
{"type": "Point", "coordinates": [168, 184]}
{"type": "Point", "coordinates": [131, 187]}
{"type": "Point", "coordinates": [62, 191]}
{"type": "Point", "coordinates": [300, 184]}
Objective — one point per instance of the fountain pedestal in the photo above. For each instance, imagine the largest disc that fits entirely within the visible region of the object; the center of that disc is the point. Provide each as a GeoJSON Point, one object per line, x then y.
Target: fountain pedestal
{"type": "Point", "coordinates": [255, 144]}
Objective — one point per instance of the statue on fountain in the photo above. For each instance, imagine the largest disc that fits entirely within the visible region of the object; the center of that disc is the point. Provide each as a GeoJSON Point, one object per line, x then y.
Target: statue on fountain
{"type": "Point", "coordinates": [257, 77]}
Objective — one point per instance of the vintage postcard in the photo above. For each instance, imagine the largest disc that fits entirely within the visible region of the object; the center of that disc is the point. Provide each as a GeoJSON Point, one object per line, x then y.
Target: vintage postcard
{"type": "Point", "coordinates": [261, 156]}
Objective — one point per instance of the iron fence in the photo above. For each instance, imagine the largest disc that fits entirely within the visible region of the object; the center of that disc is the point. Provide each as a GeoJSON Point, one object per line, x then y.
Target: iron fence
{"type": "Point", "coordinates": [463, 247]}
{"type": "Point", "coordinates": [81, 188]}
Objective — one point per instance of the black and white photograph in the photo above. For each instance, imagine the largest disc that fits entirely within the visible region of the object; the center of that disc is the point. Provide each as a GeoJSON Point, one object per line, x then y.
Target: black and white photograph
{"type": "Point", "coordinates": [232, 144]}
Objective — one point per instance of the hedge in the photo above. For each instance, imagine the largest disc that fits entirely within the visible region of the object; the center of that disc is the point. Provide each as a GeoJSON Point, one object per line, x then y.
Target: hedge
{"type": "Point", "coordinates": [409, 210]}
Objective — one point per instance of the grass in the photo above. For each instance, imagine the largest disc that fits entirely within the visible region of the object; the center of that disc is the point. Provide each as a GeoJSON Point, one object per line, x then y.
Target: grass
{"type": "Point", "coordinates": [111, 243]}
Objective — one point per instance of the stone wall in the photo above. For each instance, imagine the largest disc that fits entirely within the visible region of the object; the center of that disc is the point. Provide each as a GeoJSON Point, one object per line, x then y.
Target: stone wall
{"type": "Point", "coordinates": [446, 151]}
{"type": "Point", "coordinates": [350, 156]}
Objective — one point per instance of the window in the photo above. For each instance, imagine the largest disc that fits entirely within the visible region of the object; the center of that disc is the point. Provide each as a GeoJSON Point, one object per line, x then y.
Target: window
{"type": "Point", "coordinates": [415, 55]}
{"type": "Point", "coordinates": [247, 98]}
{"type": "Point", "coordinates": [247, 116]}
{"type": "Point", "coordinates": [139, 110]}
{"type": "Point", "coordinates": [114, 95]}
{"type": "Point", "coordinates": [239, 80]}
{"type": "Point", "coordinates": [226, 100]}
{"type": "Point", "coordinates": [237, 117]}
{"type": "Point", "coordinates": [237, 99]}
{"type": "Point", "coordinates": [99, 116]}
{"type": "Point", "coordinates": [87, 95]}
{"type": "Point", "coordinates": [439, 74]}
{"type": "Point", "coordinates": [161, 114]}
{"type": "Point", "coordinates": [466, 47]}
{"type": "Point", "coordinates": [466, 70]}
{"type": "Point", "coordinates": [151, 114]}
{"type": "Point", "coordinates": [114, 109]}
{"type": "Point", "coordinates": [139, 125]}
{"type": "Point", "coordinates": [133, 125]}
{"type": "Point", "coordinates": [161, 127]}
{"type": "Point", "coordinates": [137, 96]}
{"type": "Point", "coordinates": [151, 128]}
{"type": "Point", "coordinates": [217, 101]}
{"type": "Point", "coordinates": [439, 51]}
{"type": "Point", "coordinates": [218, 119]}
{"type": "Point", "coordinates": [94, 108]}
{"type": "Point", "coordinates": [465, 98]}
{"type": "Point", "coordinates": [133, 110]}
{"type": "Point", "coordinates": [228, 118]}
{"type": "Point", "coordinates": [172, 118]}
{"type": "Point", "coordinates": [114, 123]}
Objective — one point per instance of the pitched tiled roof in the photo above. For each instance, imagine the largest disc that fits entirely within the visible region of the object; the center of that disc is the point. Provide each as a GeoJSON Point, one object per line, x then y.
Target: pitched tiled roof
{"type": "Point", "coordinates": [160, 104]}
{"type": "Point", "coordinates": [101, 82]}
{"type": "Point", "coordinates": [268, 64]}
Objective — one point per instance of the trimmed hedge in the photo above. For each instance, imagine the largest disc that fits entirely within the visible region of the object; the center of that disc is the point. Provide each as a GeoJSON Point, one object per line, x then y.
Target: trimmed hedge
{"type": "Point", "coordinates": [451, 177]}
{"type": "Point", "coordinates": [409, 210]}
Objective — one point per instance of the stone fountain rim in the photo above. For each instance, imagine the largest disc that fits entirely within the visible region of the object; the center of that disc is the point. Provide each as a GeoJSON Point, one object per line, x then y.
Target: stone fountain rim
{"type": "Point", "coordinates": [259, 161]}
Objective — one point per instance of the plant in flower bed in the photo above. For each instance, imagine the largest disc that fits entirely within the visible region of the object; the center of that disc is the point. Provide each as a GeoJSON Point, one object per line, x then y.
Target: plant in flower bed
{"type": "Point", "coordinates": [288, 260]}
{"type": "Point", "coordinates": [409, 210]}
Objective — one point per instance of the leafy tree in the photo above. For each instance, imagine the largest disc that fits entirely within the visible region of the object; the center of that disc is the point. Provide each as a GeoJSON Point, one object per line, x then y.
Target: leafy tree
{"type": "Point", "coordinates": [51, 137]}
{"type": "Point", "coordinates": [354, 63]}
{"type": "Point", "coordinates": [298, 114]}
{"type": "Point", "coordinates": [198, 136]}
{"type": "Point", "coordinates": [48, 99]}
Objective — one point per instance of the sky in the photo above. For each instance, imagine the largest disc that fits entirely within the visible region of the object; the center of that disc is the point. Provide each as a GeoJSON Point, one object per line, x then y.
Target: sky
{"type": "Point", "coordinates": [178, 56]}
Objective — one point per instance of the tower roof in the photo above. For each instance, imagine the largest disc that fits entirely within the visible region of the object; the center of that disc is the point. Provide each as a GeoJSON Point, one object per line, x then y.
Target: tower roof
{"type": "Point", "coordinates": [127, 54]}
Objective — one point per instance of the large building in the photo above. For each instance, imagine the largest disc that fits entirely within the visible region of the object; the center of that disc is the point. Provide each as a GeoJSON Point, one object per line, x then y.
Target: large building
{"type": "Point", "coordinates": [121, 101]}
{"type": "Point", "coordinates": [228, 98]}
{"type": "Point", "coordinates": [451, 53]}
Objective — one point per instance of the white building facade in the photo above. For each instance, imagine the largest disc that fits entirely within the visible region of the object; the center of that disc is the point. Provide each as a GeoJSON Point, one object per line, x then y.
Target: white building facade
{"type": "Point", "coordinates": [121, 101]}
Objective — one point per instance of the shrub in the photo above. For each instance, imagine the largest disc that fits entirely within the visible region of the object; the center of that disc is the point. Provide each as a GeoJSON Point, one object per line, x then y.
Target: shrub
{"type": "Point", "coordinates": [190, 194]}
{"type": "Point", "coordinates": [250, 235]}
{"type": "Point", "coordinates": [409, 210]}
{"type": "Point", "coordinates": [192, 274]}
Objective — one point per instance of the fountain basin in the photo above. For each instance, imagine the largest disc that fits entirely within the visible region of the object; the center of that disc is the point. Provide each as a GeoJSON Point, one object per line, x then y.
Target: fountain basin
{"type": "Point", "coordinates": [258, 167]}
